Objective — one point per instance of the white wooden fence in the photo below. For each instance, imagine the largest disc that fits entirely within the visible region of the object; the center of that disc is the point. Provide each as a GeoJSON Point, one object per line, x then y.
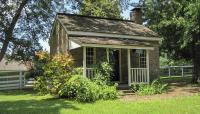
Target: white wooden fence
{"type": "Point", "coordinates": [168, 71]}
{"type": "Point", "coordinates": [139, 75]}
{"type": "Point", "coordinates": [12, 81]}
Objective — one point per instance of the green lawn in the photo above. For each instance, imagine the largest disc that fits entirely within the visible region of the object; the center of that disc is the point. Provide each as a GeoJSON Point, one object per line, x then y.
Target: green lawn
{"type": "Point", "coordinates": [27, 102]}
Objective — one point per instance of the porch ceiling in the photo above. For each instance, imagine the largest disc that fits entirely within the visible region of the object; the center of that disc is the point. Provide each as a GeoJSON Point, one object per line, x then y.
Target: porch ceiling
{"type": "Point", "coordinates": [109, 42]}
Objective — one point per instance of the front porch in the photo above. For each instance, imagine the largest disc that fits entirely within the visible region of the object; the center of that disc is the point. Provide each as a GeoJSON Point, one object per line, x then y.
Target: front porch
{"type": "Point", "coordinates": [131, 64]}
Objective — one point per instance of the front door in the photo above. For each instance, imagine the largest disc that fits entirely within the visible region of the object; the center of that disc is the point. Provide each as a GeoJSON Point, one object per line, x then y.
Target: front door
{"type": "Point", "coordinates": [114, 56]}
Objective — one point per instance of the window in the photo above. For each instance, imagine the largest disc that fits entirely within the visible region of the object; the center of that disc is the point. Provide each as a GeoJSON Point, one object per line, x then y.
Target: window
{"type": "Point", "coordinates": [90, 56]}
{"type": "Point", "coordinates": [142, 58]}
{"type": "Point", "coordinates": [138, 58]}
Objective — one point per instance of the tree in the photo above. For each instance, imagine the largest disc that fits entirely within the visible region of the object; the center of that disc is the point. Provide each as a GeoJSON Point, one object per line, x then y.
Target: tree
{"type": "Point", "coordinates": [101, 8]}
{"type": "Point", "coordinates": [178, 22]}
{"type": "Point", "coordinates": [21, 26]}
{"type": "Point", "coordinates": [23, 23]}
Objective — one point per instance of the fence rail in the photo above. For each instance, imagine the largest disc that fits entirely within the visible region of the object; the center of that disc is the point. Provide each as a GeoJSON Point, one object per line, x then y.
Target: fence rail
{"type": "Point", "coordinates": [168, 71]}
{"type": "Point", "coordinates": [12, 81]}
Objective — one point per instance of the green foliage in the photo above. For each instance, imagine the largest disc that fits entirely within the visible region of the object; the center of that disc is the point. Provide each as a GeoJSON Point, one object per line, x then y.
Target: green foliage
{"type": "Point", "coordinates": [135, 87]}
{"type": "Point", "coordinates": [108, 92]}
{"type": "Point", "coordinates": [28, 22]}
{"type": "Point", "coordinates": [78, 71]}
{"type": "Point", "coordinates": [56, 72]}
{"type": "Point", "coordinates": [170, 62]}
{"type": "Point", "coordinates": [103, 72]}
{"type": "Point", "coordinates": [61, 79]}
{"type": "Point", "coordinates": [146, 90]}
{"type": "Point", "coordinates": [36, 68]}
{"type": "Point", "coordinates": [82, 89]}
{"type": "Point", "coordinates": [41, 85]}
{"type": "Point", "coordinates": [177, 21]}
{"type": "Point", "coordinates": [101, 8]}
{"type": "Point", "coordinates": [156, 87]}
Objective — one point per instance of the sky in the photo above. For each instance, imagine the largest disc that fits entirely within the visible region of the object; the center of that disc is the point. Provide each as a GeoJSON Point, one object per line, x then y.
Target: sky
{"type": "Point", "coordinates": [125, 14]}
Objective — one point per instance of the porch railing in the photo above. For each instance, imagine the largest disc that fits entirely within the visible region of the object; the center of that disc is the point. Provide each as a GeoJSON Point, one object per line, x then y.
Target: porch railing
{"type": "Point", "coordinates": [139, 75]}
{"type": "Point", "coordinates": [90, 73]}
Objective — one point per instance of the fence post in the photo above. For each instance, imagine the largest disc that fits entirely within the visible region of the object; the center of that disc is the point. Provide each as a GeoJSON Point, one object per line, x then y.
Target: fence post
{"type": "Point", "coordinates": [24, 79]}
{"type": "Point", "coordinates": [169, 71]}
{"type": "Point", "coordinates": [20, 79]}
{"type": "Point", "coordinates": [182, 72]}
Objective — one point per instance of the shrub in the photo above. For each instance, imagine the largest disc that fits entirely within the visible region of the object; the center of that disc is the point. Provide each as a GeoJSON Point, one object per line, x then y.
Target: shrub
{"type": "Point", "coordinates": [77, 71]}
{"type": "Point", "coordinates": [61, 79]}
{"type": "Point", "coordinates": [156, 87]}
{"type": "Point", "coordinates": [56, 72]}
{"type": "Point", "coordinates": [79, 88]}
{"type": "Point", "coordinates": [159, 86]}
{"type": "Point", "coordinates": [145, 89]}
{"type": "Point", "coordinates": [103, 72]}
{"type": "Point", "coordinates": [108, 92]}
{"type": "Point", "coordinates": [135, 87]}
{"type": "Point", "coordinates": [85, 90]}
{"type": "Point", "coordinates": [41, 85]}
{"type": "Point", "coordinates": [36, 66]}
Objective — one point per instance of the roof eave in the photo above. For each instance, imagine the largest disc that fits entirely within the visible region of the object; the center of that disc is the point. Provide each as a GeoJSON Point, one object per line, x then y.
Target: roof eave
{"type": "Point", "coordinates": [118, 46]}
{"type": "Point", "coordinates": [109, 35]}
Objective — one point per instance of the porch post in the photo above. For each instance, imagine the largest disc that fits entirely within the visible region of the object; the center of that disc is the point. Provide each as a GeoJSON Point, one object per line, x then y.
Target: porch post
{"type": "Point", "coordinates": [129, 66]}
{"type": "Point", "coordinates": [147, 63]}
{"type": "Point", "coordinates": [84, 61]}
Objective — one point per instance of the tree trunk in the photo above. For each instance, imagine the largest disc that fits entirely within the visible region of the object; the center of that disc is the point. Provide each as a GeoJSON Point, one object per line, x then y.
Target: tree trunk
{"type": "Point", "coordinates": [9, 31]}
{"type": "Point", "coordinates": [5, 46]}
{"type": "Point", "coordinates": [196, 63]}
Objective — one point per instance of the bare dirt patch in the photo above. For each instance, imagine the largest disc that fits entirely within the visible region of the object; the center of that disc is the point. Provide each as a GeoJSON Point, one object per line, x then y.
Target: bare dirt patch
{"type": "Point", "coordinates": [175, 90]}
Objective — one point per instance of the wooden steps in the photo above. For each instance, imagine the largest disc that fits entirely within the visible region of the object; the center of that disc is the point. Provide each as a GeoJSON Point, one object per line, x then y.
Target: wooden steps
{"type": "Point", "coordinates": [123, 87]}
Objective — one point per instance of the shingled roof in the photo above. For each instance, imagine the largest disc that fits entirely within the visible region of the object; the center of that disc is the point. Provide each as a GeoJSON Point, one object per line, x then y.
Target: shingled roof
{"type": "Point", "coordinates": [109, 41]}
{"type": "Point", "coordinates": [103, 25]}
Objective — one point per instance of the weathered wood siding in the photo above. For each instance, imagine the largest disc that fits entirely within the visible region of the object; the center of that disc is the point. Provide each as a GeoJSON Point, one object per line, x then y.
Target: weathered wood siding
{"type": "Point", "coordinates": [59, 42]}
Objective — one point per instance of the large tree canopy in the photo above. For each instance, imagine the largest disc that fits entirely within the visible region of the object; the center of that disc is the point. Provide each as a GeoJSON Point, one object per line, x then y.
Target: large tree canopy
{"type": "Point", "coordinates": [178, 22]}
{"type": "Point", "coordinates": [101, 8]}
{"type": "Point", "coordinates": [22, 24]}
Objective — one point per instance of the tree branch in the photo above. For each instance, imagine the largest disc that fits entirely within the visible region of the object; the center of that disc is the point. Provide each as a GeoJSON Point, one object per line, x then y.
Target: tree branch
{"type": "Point", "coordinates": [9, 30]}
{"type": "Point", "coordinates": [17, 14]}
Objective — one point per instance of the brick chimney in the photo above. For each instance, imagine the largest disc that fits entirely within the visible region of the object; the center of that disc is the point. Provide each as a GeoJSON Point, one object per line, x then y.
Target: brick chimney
{"type": "Point", "coordinates": [136, 15]}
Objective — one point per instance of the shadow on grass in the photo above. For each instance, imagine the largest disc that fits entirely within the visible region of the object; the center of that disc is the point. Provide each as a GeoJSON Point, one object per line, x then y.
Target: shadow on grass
{"type": "Point", "coordinates": [45, 106]}
{"type": "Point", "coordinates": [33, 105]}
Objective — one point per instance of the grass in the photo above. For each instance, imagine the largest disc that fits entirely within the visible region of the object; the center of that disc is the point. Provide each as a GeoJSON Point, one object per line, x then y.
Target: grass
{"type": "Point", "coordinates": [27, 102]}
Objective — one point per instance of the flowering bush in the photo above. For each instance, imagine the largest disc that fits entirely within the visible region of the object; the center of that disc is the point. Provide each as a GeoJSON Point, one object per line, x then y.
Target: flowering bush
{"type": "Point", "coordinates": [56, 72]}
